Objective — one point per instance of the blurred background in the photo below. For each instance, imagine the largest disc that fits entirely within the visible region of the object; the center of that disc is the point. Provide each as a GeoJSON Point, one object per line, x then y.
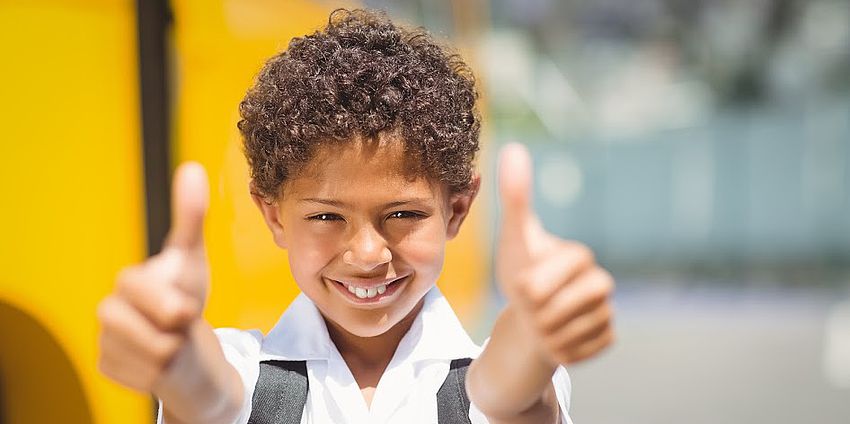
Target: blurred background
{"type": "Point", "coordinates": [701, 148]}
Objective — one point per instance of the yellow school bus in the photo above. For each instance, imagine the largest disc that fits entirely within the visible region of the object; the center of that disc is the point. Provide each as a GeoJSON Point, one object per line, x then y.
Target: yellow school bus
{"type": "Point", "coordinates": [83, 188]}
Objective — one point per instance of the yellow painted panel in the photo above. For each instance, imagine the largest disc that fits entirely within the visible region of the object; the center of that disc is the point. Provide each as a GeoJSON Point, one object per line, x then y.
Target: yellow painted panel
{"type": "Point", "coordinates": [220, 47]}
{"type": "Point", "coordinates": [71, 190]}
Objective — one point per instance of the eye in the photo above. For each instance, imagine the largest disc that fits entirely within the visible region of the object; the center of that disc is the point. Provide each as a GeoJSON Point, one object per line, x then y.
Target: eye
{"type": "Point", "coordinates": [405, 214]}
{"type": "Point", "coordinates": [325, 217]}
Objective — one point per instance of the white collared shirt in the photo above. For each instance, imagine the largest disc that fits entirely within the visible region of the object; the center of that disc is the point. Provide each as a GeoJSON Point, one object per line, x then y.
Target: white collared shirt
{"type": "Point", "coordinates": [406, 392]}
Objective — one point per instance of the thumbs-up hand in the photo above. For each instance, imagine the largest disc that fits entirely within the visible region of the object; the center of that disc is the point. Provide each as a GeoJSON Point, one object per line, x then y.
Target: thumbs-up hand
{"type": "Point", "coordinates": [558, 290]}
{"type": "Point", "coordinates": [145, 320]}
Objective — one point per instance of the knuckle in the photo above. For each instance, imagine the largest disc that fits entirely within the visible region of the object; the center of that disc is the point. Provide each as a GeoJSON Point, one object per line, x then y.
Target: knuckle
{"type": "Point", "coordinates": [127, 276]}
{"type": "Point", "coordinates": [544, 324]}
{"type": "Point", "coordinates": [609, 337]}
{"type": "Point", "coordinates": [163, 350]}
{"type": "Point", "coordinates": [164, 315]}
{"type": "Point", "coordinates": [599, 344]}
{"type": "Point", "coordinates": [537, 294]}
{"type": "Point", "coordinates": [124, 274]}
{"type": "Point", "coordinates": [539, 287]}
{"type": "Point", "coordinates": [601, 287]}
{"type": "Point", "coordinates": [127, 287]}
{"type": "Point", "coordinates": [158, 362]}
{"type": "Point", "coordinates": [174, 310]}
{"type": "Point", "coordinates": [159, 353]}
{"type": "Point", "coordinates": [156, 371]}
{"type": "Point", "coordinates": [607, 314]}
{"type": "Point", "coordinates": [581, 253]}
{"type": "Point", "coordinates": [107, 310]}
{"type": "Point", "coordinates": [595, 295]}
{"type": "Point", "coordinates": [529, 289]}
{"type": "Point", "coordinates": [563, 342]}
{"type": "Point", "coordinates": [606, 280]}
{"type": "Point", "coordinates": [102, 311]}
{"type": "Point", "coordinates": [523, 281]}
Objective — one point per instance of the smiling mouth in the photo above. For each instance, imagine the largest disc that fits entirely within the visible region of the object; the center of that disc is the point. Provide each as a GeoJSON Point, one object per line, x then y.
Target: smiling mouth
{"type": "Point", "coordinates": [372, 293]}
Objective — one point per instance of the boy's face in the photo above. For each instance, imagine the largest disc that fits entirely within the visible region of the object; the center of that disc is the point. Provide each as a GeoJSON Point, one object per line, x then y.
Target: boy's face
{"type": "Point", "coordinates": [365, 238]}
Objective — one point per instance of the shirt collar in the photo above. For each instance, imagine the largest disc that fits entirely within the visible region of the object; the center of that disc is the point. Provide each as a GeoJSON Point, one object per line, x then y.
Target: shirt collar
{"type": "Point", "coordinates": [300, 334]}
{"type": "Point", "coordinates": [436, 334]}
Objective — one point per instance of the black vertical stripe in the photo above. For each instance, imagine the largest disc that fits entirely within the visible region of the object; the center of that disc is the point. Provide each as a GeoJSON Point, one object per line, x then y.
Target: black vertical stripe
{"type": "Point", "coordinates": [153, 19]}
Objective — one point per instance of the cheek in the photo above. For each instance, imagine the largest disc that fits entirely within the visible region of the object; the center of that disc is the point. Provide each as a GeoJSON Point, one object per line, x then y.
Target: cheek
{"type": "Point", "coordinates": [309, 254]}
{"type": "Point", "coordinates": [425, 249]}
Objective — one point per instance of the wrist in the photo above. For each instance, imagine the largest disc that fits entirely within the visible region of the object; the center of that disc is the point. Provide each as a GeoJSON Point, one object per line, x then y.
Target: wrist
{"type": "Point", "coordinates": [528, 341]}
{"type": "Point", "coordinates": [200, 385]}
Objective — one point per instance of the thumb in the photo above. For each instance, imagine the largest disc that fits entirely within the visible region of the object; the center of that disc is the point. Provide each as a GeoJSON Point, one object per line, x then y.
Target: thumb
{"type": "Point", "coordinates": [515, 190]}
{"type": "Point", "coordinates": [189, 202]}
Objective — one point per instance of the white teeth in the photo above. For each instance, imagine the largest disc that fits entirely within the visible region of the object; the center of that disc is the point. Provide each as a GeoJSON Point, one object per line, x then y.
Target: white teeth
{"type": "Point", "coordinates": [370, 292]}
{"type": "Point", "coordinates": [360, 292]}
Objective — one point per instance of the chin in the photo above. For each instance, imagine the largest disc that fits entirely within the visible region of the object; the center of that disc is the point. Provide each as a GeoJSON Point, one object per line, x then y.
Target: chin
{"type": "Point", "coordinates": [372, 328]}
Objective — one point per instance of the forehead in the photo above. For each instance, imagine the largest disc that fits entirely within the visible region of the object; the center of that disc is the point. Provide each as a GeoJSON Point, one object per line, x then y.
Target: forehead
{"type": "Point", "coordinates": [361, 168]}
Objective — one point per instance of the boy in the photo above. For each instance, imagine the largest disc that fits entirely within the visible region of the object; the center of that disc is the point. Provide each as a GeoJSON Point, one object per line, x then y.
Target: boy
{"type": "Point", "coordinates": [361, 139]}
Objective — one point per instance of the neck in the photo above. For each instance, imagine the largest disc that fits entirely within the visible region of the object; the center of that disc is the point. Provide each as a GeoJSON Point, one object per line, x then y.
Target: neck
{"type": "Point", "coordinates": [371, 352]}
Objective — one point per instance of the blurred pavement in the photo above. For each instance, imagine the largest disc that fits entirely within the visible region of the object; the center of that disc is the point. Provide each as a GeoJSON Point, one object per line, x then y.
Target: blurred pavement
{"type": "Point", "coordinates": [717, 355]}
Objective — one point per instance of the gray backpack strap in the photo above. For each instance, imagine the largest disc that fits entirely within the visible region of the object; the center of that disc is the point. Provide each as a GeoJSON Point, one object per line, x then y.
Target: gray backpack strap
{"type": "Point", "coordinates": [452, 400]}
{"type": "Point", "coordinates": [280, 393]}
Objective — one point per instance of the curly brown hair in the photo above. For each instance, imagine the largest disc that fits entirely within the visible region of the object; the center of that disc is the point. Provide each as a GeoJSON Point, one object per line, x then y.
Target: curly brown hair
{"type": "Point", "coordinates": [361, 77]}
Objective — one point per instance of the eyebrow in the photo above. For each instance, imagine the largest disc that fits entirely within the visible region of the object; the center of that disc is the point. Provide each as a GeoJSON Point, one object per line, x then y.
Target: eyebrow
{"type": "Point", "coordinates": [330, 202]}
{"type": "Point", "coordinates": [340, 204]}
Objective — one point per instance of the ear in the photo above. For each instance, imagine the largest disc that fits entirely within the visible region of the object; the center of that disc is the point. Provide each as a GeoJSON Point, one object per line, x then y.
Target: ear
{"type": "Point", "coordinates": [270, 209]}
{"type": "Point", "coordinates": [459, 204]}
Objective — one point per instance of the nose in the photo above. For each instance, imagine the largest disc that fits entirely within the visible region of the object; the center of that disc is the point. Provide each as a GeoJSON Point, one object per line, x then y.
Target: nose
{"type": "Point", "coordinates": [367, 250]}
